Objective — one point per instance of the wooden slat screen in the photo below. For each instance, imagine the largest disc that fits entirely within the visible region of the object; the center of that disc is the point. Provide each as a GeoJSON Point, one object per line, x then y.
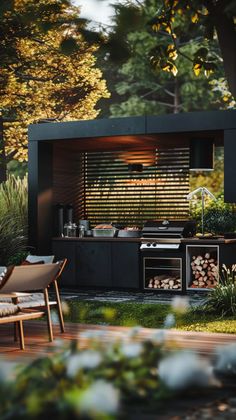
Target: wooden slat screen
{"type": "Point", "coordinates": [112, 193]}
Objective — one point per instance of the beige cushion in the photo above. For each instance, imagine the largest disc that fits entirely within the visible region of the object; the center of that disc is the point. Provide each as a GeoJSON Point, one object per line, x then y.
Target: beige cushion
{"type": "Point", "coordinates": [47, 259]}
{"type": "Point", "coordinates": [32, 301]}
{"type": "Point", "coordinates": [23, 299]}
{"type": "Point", "coordinates": [3, 271]}
{"type": "Point", "coordinates": [8, 309]}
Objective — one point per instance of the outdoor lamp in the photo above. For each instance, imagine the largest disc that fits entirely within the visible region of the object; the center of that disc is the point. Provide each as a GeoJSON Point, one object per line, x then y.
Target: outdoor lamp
{"type": "Point", "coordinates": [201, 154]}
{"type": "Point", "coordinates": [203, 191]}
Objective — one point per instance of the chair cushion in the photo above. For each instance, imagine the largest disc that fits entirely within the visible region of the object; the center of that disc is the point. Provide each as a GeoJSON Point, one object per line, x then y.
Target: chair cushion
{"type": "Point", "coordinates": [25, 262]}
{"type": "Point", "coordinates": [2, 269]}
{"type": "Point", "coordinates": [32, 301]}
{"type": "Point", "coordinates": [47, 259]}
{"type": "Point", "coordinates": [8, 309]}
{"type": "Point", "coordinates": [5, 274]}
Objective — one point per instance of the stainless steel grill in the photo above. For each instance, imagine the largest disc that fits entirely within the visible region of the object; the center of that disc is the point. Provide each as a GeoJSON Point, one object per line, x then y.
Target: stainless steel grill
{"type": "Point", "coordinates": [165, 234]}
{"type": "Point", "coordinates": [162, 254]}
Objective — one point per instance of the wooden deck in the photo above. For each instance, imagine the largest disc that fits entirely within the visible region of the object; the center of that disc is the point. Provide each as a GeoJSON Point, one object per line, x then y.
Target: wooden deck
{"type": "Point", "coordinates": [36, 339]}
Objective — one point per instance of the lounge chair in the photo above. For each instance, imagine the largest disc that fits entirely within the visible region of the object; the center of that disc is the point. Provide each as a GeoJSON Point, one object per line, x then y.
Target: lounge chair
{"type": "Point", "coordinates": [9, 312]}
{"type": "Point", "coordinates": [31, 279]}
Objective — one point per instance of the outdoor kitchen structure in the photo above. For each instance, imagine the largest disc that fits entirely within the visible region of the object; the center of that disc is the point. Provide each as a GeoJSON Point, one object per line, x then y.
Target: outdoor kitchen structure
{"type": "Point", "coordinates": [125, 182]}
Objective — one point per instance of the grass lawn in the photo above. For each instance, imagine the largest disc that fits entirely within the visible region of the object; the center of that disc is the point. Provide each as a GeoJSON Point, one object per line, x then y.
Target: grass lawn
{"type": "Point", "coordinates": [146, 315]}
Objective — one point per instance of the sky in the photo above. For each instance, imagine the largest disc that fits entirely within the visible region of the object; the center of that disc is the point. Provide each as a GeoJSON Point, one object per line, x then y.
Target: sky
{"type": "Point", "coordinates": [99, 11]}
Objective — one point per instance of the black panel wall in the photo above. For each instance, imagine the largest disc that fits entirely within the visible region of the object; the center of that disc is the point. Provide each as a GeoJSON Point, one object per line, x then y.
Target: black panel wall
{"type": "Point", "coordinates": [40, 196]}
{"type": "Point", "coordinates": [230, 166]}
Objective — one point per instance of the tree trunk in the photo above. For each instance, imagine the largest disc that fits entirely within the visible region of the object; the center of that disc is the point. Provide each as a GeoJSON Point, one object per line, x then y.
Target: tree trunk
{"type": "Point", "coordinates": [3, 160]}
{"type": "Point", "coordinates": [176, 97]}
{"type": "Point", "coordinates": [226, 33]}
{"type": "Point", "coordinates": [227, 41]}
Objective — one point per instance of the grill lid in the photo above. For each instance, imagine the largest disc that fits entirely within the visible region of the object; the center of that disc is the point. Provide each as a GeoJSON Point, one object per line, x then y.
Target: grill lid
{"type": "Point", "coordinates": [169, 229]}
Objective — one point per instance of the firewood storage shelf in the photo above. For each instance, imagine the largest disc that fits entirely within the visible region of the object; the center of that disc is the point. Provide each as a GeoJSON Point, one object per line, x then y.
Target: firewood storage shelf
{"type": "Point", "coordinates": [202, 267]}
{"type": "Point", "coordinates": [162, 274]}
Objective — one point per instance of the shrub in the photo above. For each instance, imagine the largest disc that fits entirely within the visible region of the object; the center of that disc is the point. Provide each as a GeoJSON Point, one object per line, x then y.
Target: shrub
{"type": "Point", "coordinates": [219, 216]}
{"type": "Point", "coordinates": [220, 220]}
{"type": "Point", "coordinates": [12, 239]}
{"type": "Point", "coordinates": [222, 299]}
{"type": "Point", "coordinates": [14, 199]}
{"type": "Point", "coordinates": [13, 220]}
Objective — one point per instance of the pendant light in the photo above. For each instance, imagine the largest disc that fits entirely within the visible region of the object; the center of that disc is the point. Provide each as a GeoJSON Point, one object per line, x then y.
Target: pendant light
{"type": "Point", "coordinates": [201, 154]}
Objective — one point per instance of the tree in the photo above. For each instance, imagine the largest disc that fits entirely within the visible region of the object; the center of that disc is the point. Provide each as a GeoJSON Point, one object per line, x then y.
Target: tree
{"type": "Point", "coordinates": [48, 70]}
{"type": "Point", "coordinates": [146, 90]}
{"type": "Point", "coordinates": [200, 21]}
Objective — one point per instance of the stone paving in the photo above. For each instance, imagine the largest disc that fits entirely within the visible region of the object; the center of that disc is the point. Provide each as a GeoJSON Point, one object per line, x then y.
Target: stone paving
{"type": "Point", "coordinates": [127, 296]}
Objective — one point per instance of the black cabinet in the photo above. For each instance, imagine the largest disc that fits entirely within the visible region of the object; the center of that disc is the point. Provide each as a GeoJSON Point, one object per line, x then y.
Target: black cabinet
{"type": "Point", "coordinates": [125, 265]}
{"type": "Point", "coordinates": [93, 261]}
{"type": "Point", "coordinates": [63, 249]}
{"type": "Point", "coordinates": [99, 263]}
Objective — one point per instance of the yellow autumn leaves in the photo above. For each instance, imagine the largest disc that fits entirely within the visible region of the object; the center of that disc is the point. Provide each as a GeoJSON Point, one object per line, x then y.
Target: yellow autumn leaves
{"type": "Point", "coordinates": [48, 84]}
{"type": "Point", "coordinates": [167, 23]}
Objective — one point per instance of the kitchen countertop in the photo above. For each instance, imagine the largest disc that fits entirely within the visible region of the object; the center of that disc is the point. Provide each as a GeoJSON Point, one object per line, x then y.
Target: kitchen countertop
{"type": "Point", "coordinates": [216, 241]}
{"type": "Point", "coordinates": [104, 239]}
{"type": "Point", "coordinates": [195, 240]}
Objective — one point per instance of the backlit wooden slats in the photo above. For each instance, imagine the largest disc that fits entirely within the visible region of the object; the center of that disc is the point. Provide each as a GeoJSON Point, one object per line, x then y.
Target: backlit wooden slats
{"type": "Point", "coordinates": [113, 193]}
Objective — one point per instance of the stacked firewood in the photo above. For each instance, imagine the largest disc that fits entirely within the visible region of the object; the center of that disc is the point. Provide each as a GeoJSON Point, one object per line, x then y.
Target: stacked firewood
{"type": "Point", "coordinates": [164, 282]}
{"type": "Point", "coordinates": [204, 271]}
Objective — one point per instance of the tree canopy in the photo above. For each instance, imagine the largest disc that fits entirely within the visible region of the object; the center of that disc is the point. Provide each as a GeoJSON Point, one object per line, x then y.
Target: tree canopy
{"type": "Point", "coordinates": [178, 22]}
{"type": "Point", "coordinates": [145, 89]}
{"type": "Point", "coordinates": [47, 69]}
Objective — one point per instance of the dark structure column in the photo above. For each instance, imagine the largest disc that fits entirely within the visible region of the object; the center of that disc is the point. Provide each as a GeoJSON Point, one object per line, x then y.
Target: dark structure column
{"type": "Point", "coordinates": [230, 166]}
{"type": "Point", "coordinates": [40, 196]}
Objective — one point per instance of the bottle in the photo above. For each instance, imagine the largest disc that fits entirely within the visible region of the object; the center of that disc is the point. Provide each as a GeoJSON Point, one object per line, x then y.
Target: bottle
{"type": "Point", "coordinates": [81, 231]}
{"type": "Point", "coordinates": [70, 230]}
{"type": "Point", "coordinates": [66, 230]}
{"type": "Point", "coordinates": [73, 230]}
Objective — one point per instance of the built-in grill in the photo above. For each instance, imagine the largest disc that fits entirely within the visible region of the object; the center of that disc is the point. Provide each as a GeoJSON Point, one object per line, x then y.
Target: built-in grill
{"type": "Point", "coordinates": [163, 254]}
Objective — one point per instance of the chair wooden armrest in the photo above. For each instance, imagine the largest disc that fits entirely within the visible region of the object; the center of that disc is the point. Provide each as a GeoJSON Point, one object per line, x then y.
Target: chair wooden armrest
{"type": "Point", "coordinates": [18, 319]}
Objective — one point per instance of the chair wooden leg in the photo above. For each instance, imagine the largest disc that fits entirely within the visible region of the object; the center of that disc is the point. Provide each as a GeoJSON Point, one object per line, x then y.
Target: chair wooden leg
{"type": "Point", "coordinates": [21, 334]}
{"type": "Point", "coordinates": [15, 331]}
{"type": "Point", "coordinates": [49, 320]}
{"type": "Point", "coordinates": [59, 308]}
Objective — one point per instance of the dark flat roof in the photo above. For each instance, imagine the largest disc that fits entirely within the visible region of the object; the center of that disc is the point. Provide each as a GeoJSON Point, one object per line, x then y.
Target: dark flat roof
{"type": "Point", "coordinates": [162, 124]}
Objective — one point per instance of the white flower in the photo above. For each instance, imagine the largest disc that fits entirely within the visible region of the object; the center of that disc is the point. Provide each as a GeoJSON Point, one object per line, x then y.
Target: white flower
{"type": "Point", "coordinates": [7, 370]}
{"type": "Point", "coordinates": [226, 358]}
{"type": "Point", "coordinates": [158, 337]}
{"type": "Point", "coordinates": [131, 349]}
{"type": "Point", "coordinates": [169, 321]}
{"type": "Point", "coordinates": [185, 369]}
{"type": "Point", "coordinates": [180, 304]}
{"type": "Point", "coordinates": [100, 397]}
{"type": "Point", "coordinates": [133, 332]}
{"type": "Point", "coordinates": [65, 307]}
{"type": "Point", "coordinates": [88, 359]}
{"type": "Point", "coordinates": [93, 334]}
{"type": "Point", "coordinates": [54, 316]}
